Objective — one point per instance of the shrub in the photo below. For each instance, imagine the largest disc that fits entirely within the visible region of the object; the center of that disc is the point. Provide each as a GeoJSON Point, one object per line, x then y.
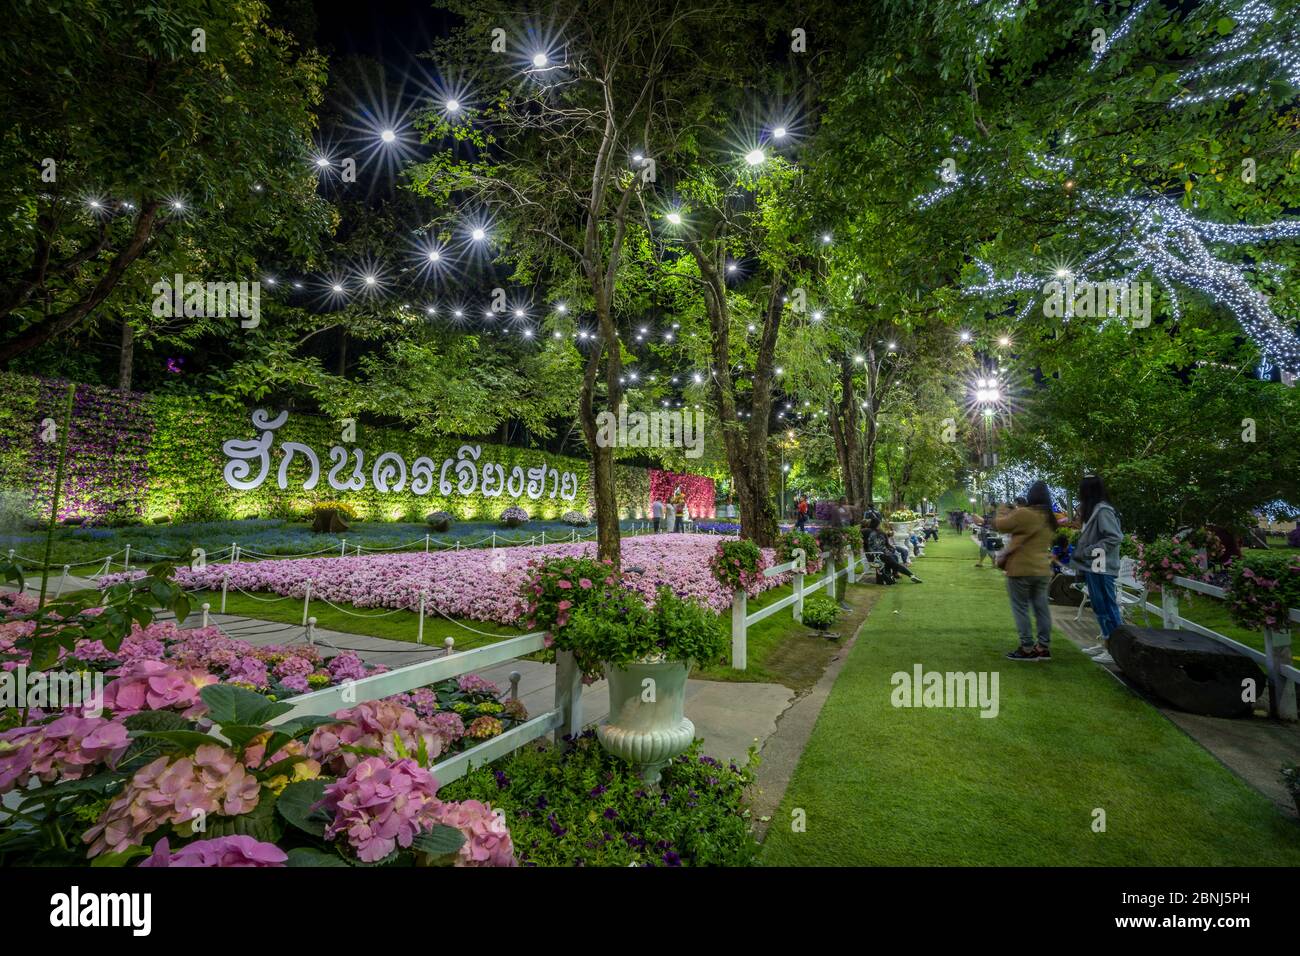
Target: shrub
{"type": "Point", "coordinates": [439, 521]}
{"type": "Point", "coordinates": [556, 588]}
{"type": "Point", "coordinates": [575, 518]}
{"type": "Point", "coordinates": [577, 805]}
{"type": "Point", "coordinates": [1265, 584]}
{"type": "Point", "coordinates": [833, 539]}
{"type": "Point", "coordinates": [344, 509]}
{"type": "Point", "coordinates": [819, 611]}
{"type": "Point", "coordinates": [738, 565]}
{"type": "Point", "coordinates": [787, 543]}
{"type": "Point", "coordinates": [617, 627]}
{"type": "Point", "coordinates": [853, 537]}
{"type": "Point", "coordinates": [1164, 559]}
{"type": "Point", "coordinates": [513, 517]}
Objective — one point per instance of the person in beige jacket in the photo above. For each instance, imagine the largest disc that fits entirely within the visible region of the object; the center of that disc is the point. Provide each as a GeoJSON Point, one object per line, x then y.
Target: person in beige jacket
{"type": "Point", "coordinates": [1027, 560]}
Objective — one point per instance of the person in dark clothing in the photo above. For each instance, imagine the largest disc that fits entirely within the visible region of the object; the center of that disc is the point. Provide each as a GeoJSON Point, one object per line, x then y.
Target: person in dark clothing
{"type": "Point", "coordinates": [877, 541]}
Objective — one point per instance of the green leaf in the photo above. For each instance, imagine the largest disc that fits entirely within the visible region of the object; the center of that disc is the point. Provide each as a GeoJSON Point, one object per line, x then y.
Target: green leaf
{"type": "Point", "coordinates": [309, 856]}
{"type": "Point", "coordinates": [228, 704]}
{"type": "Point", "coordinates": [439, 841]}
{"type": "Point", "coordinates": [295, 805]}
{"type": "Point", "coordinates": [185, 739]}
{"type": "Point", "coordinates": [1225, 26]}
{"type": "Point", "coordinates": [260, 823]}
{"type": "Point", "coordinates": [120, 859]}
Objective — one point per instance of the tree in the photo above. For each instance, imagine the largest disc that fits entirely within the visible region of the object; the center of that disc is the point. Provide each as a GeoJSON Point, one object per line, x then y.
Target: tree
{"type": "Point", "coordinates": [144, 139]}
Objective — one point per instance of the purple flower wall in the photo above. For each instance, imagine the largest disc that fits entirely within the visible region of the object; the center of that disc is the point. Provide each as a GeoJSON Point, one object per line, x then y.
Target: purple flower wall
{"type": "Point", "coordinates": [107, 471]}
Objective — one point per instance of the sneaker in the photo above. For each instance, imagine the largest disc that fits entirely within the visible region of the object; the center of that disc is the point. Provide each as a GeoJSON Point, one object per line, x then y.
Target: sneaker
{"type": "Point", "coordinates": [1043, 652]}
{"type": "Point", "coordinates": [916, 580]}
{"type": "Point", "coordinates": [1023, 654]}
{"type": "Point", "coordinates": [1104, 658]}
{"type": "Point", "coordinates": [1094, 650]}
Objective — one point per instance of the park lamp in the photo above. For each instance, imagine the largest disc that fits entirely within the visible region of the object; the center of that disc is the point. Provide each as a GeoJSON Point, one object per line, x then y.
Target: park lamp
{"type": "Point", "coordinates": [755, 157]}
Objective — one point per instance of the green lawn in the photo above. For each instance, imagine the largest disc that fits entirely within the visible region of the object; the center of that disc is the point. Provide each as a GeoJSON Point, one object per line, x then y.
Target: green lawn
{"type": "Point", "coordinates": [880, 785]}
{"type": "Point", "coordinates": [397, 626]}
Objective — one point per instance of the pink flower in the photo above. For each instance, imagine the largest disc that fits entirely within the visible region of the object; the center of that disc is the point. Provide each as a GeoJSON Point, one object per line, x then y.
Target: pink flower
{"type": "Point", "coordinates": [584, 583]}
{"type": "Point", "coordinates": [67, 748]}
{"type": "Point", "coordinates": [233, 851]}
{"type": "Point", "coordinates": [372, 724]}
{"type": "Point", "coordinates": [487, 840]}
{"type": "Point", "coordinates": [563, 585]}
{"type": "Point", "coordinates": [380, 806]}
{"type": "Point", "coordinates": [156, 685]}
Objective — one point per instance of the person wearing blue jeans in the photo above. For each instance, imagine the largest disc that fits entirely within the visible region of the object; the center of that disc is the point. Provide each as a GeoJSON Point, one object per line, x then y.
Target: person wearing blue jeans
{"type": "Point", "coordinates": [1096, 557]}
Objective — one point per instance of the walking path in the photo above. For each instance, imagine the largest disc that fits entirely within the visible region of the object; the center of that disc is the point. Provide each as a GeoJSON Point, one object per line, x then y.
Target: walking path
{"type": "Point", "coordinates": [1070, 766]}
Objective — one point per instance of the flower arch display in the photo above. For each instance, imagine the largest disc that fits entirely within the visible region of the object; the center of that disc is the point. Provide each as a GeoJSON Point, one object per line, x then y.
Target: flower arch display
{"type": "Point", "coordinates": [700, 491]}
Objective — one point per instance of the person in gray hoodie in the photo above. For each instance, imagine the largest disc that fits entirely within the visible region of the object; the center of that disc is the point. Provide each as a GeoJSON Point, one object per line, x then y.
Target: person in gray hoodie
{"type": "Point", "coordinates": [1097, 557]}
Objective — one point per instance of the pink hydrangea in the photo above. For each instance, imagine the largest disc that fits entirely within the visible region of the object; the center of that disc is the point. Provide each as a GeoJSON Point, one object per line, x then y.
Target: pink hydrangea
{"type": "Point", "coordinates": [248, 670]}
{"type": "Point", "coordinates": [474, 684]}
{"type": "Point", "coordinates": [487, 840]}
{"type": "Point", "coordinates": [67, 748]}
{"type": "Point", "coordinates": [156, 685]}
{"type": "Point", "coordinates": [293, 667]}
{"type": "Point", "coordinates": [233, 851]}
{"type": "Point", "coordinates": [298, 685]}
{"type": "Point", "coordinates": [374, 724]}
{"type": "Point", "coordinates": [380, 806]}
{"type": "Point", "coordinates": [210, 782]}
{"type": "Point", "coordinates": [346, 666]}
{"type": "Point", "coordinates": [448, 726]}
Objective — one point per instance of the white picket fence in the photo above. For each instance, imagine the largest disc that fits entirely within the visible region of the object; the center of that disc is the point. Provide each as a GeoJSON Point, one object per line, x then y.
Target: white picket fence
{"type": "Point", "coordinates": [1275, 658]}
{"type": "Point", "coordinates": [741, 620]}
{"type": "Point", "coordinates": [564, 717]}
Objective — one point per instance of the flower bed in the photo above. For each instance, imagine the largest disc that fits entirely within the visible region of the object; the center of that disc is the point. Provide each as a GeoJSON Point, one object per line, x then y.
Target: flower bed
{"type": "Point", "coordinates": [481, 585]}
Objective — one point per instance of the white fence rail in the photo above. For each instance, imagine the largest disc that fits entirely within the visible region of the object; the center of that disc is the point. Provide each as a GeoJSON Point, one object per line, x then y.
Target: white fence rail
{"type": "Point", "coordinates": [742, 620]}
{"type": "Point", "coordinates": [1275, 658]}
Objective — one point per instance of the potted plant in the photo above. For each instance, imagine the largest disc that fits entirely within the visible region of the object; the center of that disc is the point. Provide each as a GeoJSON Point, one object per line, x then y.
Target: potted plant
{"type": "Point", "coordinates": [514, 516]}
{"type": "Point", "coordinates": [819, 613]}
{"type": "Point", "coordinates": [790, 541]}
{"type": "Point", "coordinates": [646, 655]}
{"type": "Point", "coordinates": [575, 518]}
{"type": "Point", "coordinates": [1265, 585]}
{"type": "Point", "coordinates": [738, 565]}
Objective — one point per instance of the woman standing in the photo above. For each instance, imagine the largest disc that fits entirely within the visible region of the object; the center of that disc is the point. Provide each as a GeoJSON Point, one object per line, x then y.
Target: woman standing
{"type": "Point", "coordinates": [1096, 557]}
{"type": "Point", "coordinates": [1027, 562]}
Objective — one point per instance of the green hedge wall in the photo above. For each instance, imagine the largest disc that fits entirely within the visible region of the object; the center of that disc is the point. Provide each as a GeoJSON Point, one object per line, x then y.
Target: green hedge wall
{"type": "Point", "coordinates": [156, 456]}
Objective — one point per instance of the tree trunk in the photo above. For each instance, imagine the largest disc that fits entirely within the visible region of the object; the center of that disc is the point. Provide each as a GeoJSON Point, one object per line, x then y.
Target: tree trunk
{"type": "Point", "coordinates": [608, 541]}
{"type": "Point", "coordinates": [126, 361]}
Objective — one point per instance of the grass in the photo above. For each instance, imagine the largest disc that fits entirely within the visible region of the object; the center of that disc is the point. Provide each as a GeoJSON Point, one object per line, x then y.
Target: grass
{"type": "Point", "coordinates": [880, 785]}
{"type": "Point", "coordinates": [397, 626]}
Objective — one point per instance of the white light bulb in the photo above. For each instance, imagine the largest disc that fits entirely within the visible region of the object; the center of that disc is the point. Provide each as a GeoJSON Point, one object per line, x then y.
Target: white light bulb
{"type": "Point", "coordinates": [388, 136]}
{"type": "Point", "coordinates": [674, 218]}
{"type": "Point", "coordinates": [435, 256]}
{"type": "Point", "coordinates": [754, 157]}
{"type": "Point", "coordinates": [453, 106]}
{"type": "Point", "coordinates": [778, 133]}
{"type": "Point", "coordinates": [539, 60]}
{"type": "Point", "coordinates": [478, 235]}
{"type": "Point", "coordinates": [336, 287]}
{"type": "Point", "coordinates": [322, 162]}
{"type": "Point", "coordinates": [370, 280]}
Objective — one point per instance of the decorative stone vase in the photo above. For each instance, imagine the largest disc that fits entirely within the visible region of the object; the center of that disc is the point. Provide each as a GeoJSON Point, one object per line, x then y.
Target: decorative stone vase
{"type": "Point", "coordinates": [645, 724]}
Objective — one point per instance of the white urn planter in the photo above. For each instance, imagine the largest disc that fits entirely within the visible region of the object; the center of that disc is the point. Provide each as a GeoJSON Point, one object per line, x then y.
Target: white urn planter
{"type": "Point", "coordinates": [646, 725]}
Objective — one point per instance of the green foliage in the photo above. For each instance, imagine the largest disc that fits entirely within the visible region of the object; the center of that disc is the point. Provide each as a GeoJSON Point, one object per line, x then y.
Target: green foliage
{"type": "Point", "coordinates": [788, 541]}
{"type": "Point", "coordinates": [556, 587]}
{"type": "Point", "coordinates": [819, 612]}
{"type": "Point", "coordinates": [576, 805]}
{"type": "Point", "coordinates": [737, 565]}
{"type": "Point", "coordinates": [1265, 586]}
{"type": "Point", "coordinates": [616, 627]}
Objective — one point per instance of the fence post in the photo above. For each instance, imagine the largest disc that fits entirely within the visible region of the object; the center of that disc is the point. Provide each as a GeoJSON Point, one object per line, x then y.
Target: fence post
{"type": "Point", "coordinates": [1169, 617]}
{"type": "Point", "coordinates": [853, 564]}
{"type": "Point", "coordinates": [426, 544]}
{"type": "Point", "coordinates": [306, 602]}
{"type": "Point", "coordinates": [494, 539]}
{"type": "Point", "coordinates": [515, 678]}
{"type": "Point", "coordinates": [419, 633]}
{"type": "Point", "coordinates": [344, 552]}
{"type": "Point", "coordinates": [62, 581]}
{"type": "Point", "coordinates": [543, 537]}
{"type": "Point", "coordinates": [830, 575]}
{"type": "Point", "coordinates": [449, 647]}
{"type": "Point", "coordinates": [1281, 690]}
{"type": "Point", "coordinates": [236, 554]}
{"type": "Point", "coordinates": [126, 560]}
{"type": "Point", "coordinates": [573, 536]}
{"type": "Point", "coordinates": [739, 642]}
{"type": "Point", "coordinates": [206, 608]}
{"type": "Point", "coordinates": [798, 596]}
{"type": "Point", "coordinates": [568, 695]}
{"type": "Point", "coordinates": [225, 583]}
{"type": "Point", "coordinates": [311, 630]}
